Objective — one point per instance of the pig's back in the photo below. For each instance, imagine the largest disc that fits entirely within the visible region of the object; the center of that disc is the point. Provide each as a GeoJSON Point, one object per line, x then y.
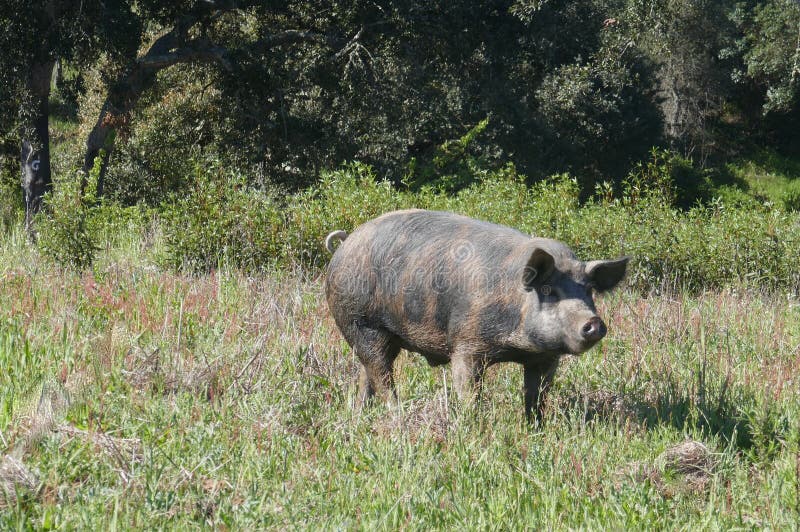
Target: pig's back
{"type": "Point", "coordinates": [413, 272]}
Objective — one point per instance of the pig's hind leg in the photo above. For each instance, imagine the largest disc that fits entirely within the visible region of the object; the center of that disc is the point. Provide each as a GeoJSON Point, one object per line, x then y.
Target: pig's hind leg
{"type": "Point", "coordinates": [377, 350]}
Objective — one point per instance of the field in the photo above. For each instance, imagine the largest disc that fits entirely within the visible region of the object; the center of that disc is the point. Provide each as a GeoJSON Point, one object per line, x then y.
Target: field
{"type": "Point", "coordinates": [168, 360]}
{"type": "Point", "coordinates": [136, 397]}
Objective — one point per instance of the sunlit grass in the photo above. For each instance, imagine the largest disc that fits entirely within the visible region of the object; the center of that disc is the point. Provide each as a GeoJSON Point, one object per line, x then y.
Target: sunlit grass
{"type": "Point", "coordinates": [767, 173]}
{"type": "Point", "coordinates": [229, 400]}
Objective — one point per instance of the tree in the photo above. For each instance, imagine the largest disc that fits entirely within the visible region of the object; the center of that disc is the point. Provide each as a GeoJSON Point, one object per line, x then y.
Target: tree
{"type": "Point", "coordinates": [290, 87]}
{"type": "Point", "coordinates": [773, 55]}
{"type": "Point", "coordinates": [685, 40]}
{"type": "Point", "coordinates": [36, 37]}
{"type": "Point", "coordinates": [769, 72]}
{"type": "Point", "coordinates": [399, 80]}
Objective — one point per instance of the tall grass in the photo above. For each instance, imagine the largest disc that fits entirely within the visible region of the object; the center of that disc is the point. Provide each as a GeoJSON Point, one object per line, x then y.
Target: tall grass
{"type": "Point", "coordinates": [227, 399]}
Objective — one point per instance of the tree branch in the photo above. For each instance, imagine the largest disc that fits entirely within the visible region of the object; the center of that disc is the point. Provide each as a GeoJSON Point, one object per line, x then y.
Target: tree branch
{"type": "Point", "coordinates": [287, 37]}
{"type": "Point", "coordinates": [163, 53]}
{"type": "Point", "coordinates": [195, 51]}
{"type": "Point", "coordinates": [350, 44]}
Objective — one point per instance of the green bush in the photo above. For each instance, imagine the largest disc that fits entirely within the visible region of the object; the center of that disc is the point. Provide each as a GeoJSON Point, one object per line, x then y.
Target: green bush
{"type": "Point", "coordinates": [711, 245]}
{"type": "Point", "coordinates": [343, 199]}
{"type": "Point", "coordinates": [12, 206]}
{"type": "Point", "coordinates": [737, 198]}
{"type": "Point", "coordinates": [596, 117]}
{"type": "Point", "coordinates": [669, 177]}
{"type": "Point", "coordinates": [63, 227]}
{"type": "Point", "coordinates": [502, 197]}
{"type": "Point", "coordinates": [222, 220]}
{"type": "Point", "coordinates": [452, 166]}
{"type": "Point", "coordinates": [111, 224]}
{"type": "Point", "coordinates": [791, 196]}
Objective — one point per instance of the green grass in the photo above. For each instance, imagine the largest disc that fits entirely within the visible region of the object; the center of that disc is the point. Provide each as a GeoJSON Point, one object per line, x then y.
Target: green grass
{"type": "Point", "coordinates": [232, 400]}
{"type": "Point", "coordinates": [767, 173]}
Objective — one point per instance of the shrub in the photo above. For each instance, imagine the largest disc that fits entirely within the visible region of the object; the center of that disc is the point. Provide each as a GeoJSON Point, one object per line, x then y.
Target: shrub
{"type": "Point", "coordinates": [12, 206]}
{"type": "Point", "coordinates": [452, 166]}
{"type": "Point", "coordinates": [710, 245]}
{"type": "Point", "coordinates": [222, 220]}
{"type": "Point", "coordinates": [791, 196]}
{"type": "Point", "coordinates": [502, 197]}
{"type": "Point", "coordinates": [597, 116]}
{"type": "Point", "coordinates": [63, 228]}
{"type": "Point", "coordinates": [669, 177]}
{"type": "Point", "coordinates": [344, 199]}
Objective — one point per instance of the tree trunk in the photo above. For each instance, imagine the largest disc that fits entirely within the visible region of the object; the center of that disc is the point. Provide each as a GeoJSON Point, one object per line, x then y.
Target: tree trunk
{"type": "Point", "coordinates": [35, 151]}
{"type": "Point", "coordinates": [100, 142]}
{"type": "Point", "coordinates": [121, 99]}
{"type": "Point", "coordinates": [123, 96]}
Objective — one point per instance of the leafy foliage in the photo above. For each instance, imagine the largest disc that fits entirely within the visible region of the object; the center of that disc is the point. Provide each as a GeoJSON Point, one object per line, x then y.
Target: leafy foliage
{"type": "Point", "coordinates": [773, 55]}
{"type": "Point", "coordinates": [344, 199]}
{"type": "Point", "coordinates": [64, 230]}
{"type": "Point", "coordinates": [222, 221]}
{"type": "Point", "coordinates": [279, 92]}
{"type": "Point", "coordinates": [791, 197]}
{"type": "Point", "coordinates": [729, 240]}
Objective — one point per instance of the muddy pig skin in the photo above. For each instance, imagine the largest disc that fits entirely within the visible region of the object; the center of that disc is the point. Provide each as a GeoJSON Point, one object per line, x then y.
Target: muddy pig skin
{"type": "Point", "coordinates": [463, 291]}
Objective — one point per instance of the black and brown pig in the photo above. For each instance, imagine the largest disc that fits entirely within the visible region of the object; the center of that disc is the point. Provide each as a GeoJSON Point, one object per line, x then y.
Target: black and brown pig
{"type": "Point", "coordinates": [462, 291]}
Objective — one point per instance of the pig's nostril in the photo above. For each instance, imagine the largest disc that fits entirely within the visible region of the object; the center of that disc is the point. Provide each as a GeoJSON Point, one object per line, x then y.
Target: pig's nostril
{"type": "Point", "coordinates": [594, 329]}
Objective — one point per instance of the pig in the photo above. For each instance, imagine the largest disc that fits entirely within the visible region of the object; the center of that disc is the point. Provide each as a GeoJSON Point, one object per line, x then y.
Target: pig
{"type": "Point", "coordinates": [463, 291]}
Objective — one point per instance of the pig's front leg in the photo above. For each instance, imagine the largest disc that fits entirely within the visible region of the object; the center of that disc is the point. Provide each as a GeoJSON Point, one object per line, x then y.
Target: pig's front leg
{"type": "Point", "coordinates": [538, 376]}
{"type": "Point", "coordinates": [468, 369]}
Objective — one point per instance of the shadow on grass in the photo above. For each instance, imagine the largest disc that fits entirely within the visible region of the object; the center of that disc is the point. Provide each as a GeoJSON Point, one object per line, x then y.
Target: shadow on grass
{"type": "Point", "coordinates": [772, 161]}
{"type": "Point", "coordinates": [758, 429]}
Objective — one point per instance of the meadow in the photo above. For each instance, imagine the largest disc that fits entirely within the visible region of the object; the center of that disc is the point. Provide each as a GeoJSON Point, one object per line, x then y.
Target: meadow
{"type": "Point", "coordinates": [167, 360]}
{"type": "Point", "coordinates": [139, 396]}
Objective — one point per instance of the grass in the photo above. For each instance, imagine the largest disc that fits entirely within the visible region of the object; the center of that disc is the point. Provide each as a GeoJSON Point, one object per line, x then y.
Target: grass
{"type": "Point", "coordinates": [136, 397]}
{"type": "Point", "coordinates": [767, 173]}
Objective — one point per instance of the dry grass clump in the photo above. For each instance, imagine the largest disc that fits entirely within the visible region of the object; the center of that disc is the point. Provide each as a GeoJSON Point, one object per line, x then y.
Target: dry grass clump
{"type": "Point", "coordinates": [123, 450]}
{"type": "Point", "coordinates": [596, 404]}
{"type": "Point", "coordinates": [15, 479]}
{"type": "Point", "coordinates": [422, 419]}
{"type": "Point", "coordinates": [606, 404]}
{"type": "Point", "coordinates": [38, 416]}
{"type": "Point", "coordinates": [687, 467]}
{"type": "Point", "coordinates": [690, 458]}
{"type": "Point", "coordinates": [145, 369]}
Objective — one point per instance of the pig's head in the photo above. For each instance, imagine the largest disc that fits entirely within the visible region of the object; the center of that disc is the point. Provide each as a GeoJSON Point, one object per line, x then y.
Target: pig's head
{"type": "Point", "coordinates": [561, 316]}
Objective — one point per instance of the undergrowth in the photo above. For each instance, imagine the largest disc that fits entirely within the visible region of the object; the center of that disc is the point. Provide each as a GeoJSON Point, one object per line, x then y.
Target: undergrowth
{"type": "Point", "coordinates": [222, 221]}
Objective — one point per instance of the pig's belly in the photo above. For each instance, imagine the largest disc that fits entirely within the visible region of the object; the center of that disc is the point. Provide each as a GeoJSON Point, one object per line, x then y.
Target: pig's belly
{"type": "Point", "coordinates": [436, 355]}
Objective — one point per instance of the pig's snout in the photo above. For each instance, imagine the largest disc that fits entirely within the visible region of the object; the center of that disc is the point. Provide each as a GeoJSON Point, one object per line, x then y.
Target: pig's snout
{"type": "Point", "coordinates": [593, 330]}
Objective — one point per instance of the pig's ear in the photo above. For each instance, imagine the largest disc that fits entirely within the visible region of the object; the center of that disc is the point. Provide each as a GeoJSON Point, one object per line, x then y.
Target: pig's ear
{"type": "Point", "coordinates": [606, 274]}
{"type": "Point", "coordinates": [538, 268]}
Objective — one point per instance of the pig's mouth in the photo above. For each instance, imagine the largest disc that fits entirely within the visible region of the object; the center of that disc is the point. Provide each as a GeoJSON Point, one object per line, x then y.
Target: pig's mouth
{"type": "Point", "coordinates": [583, 346]}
